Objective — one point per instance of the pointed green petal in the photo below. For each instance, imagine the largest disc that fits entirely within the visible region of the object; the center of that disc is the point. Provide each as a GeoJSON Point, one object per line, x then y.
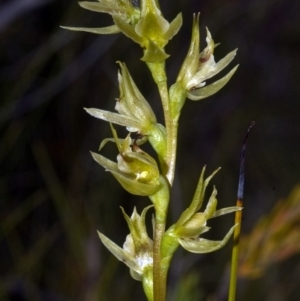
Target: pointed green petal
{"type": "Point", "coordinates": [136, 224]}
{"type": "Point", "coordinates": [192, 209]}
{"type": "Point", "coordinates": [191, 62]}
{"type": "Point", "coordinates": [206, 182]}
{"type": "Point", "coordinates": [133, 101]}
{"type": "Point", "coordinates": [211, 205]}
{"type": "Point", "coordinates": [128, 30]}
{"type": "Point", "coordinates": [106, 163]}
{"type": "Point", "coordinates": [148, 6]}
{"type": "Point", "coordinates": [211, 89]}
{"type": "Point", "coordinates": [116, 118]}
{"type": "Point", "coordinates": [202, 245]}
{"type": "Point", "coordinates": [119, 253]}
{"type": "Point", "coordinates": [104, 141]}
{"type": "Point", "coordinates": [102, 30]}
{"type": "Point", "coordinates": [175, 25]}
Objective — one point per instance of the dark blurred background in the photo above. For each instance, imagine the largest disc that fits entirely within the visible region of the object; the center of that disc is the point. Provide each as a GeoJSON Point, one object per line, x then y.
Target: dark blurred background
{"type": "Point", "coordinates": [53, 197]}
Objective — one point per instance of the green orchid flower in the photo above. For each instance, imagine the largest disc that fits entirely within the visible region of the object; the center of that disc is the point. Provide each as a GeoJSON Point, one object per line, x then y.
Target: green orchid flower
{"type": "Point", "coordinates": [137, 251]}
{"type": "Point", "coordinates": [135, 170]}
{"type": "Point", "coordinates": [192, 223]}
{"type": "Point", "coordinates": [198, 67]}
{"type": "Point", "coordinates": [145, 25]}
{"type": "Point", "coordinates": [135, 113]}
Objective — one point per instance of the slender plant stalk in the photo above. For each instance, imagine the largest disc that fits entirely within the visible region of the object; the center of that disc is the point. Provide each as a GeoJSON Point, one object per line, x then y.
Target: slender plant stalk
{"type": "Point", "coordinates": [160, 78]}
{"type": "Point", "coordinates": [238, 221]}
{"type": "Point", "coordinates": [158, 287]}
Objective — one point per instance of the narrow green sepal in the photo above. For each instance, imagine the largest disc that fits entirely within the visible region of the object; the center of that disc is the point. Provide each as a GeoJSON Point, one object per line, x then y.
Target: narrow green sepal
{"type": "Point", "coordinates": [128, 30]}
{"type": "Point", "coordinates": [211, 89]}
{"type": "Point", "coordinates": [101, 30]}
{"type": "Point", "coordinates": [211, 205]}
{"type": "Point", "coordinates": [118, 252]}
{"type": "Point", "coordinates": [226, 211]}
{"type": "Point", "coordinates": [208, 69]}
{"type": "Point", "coordinates": [131, 101]}
{"type": "Point", "coordinates": [116, 118]}
{"type": "Point", "coordinates": [137, 226]}
{"type": "Point", "coordinates": [175, 25]}
{"type": "Point", "coordinates": [191, 62]}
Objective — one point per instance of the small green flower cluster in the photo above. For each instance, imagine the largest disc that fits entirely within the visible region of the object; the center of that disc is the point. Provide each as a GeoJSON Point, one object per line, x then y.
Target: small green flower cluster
{"type": "Point", "coordinates": [138, 172]}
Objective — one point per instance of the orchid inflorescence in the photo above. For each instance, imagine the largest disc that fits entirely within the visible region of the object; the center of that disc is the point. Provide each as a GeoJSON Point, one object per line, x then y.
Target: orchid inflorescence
{"type": "Point", "coordinates": [138, 172]}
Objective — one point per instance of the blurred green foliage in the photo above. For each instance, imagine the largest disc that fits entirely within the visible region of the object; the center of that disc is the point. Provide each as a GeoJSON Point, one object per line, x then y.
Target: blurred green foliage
{"type": "Point", "coordinates": [53, 196]}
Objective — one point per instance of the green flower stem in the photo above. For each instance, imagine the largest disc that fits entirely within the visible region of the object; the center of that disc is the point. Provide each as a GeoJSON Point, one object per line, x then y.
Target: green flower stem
{"type": "Point", "coordinates": [235, 253]}
{"type": "Point", "coordinates": [162, 261]}
{"type": "Point", "coordinates": [159, 277]}
{"type": "Point", "coordinates": [159, 288]}
{"type": "Point", "coordinates": [160, 78]}
{"type": "Point", "coordinates": [161, 202]}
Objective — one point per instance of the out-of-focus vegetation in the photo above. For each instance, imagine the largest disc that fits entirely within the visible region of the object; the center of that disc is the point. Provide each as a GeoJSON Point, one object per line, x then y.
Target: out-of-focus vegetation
{"type": "Point", "coordinates": [274, 238]}
{"type": "Point", "coordinates": [53, 196]}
